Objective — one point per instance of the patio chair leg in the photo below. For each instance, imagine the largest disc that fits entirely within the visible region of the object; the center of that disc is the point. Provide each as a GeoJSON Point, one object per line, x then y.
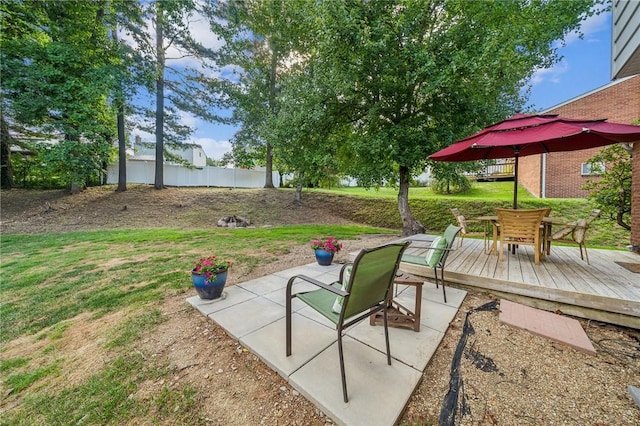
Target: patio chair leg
{"type": "Point", "coordinates": [444, 293]}
{"type": "Point", "coordinates": [586, 255]}
{"type": "Point", "coordinates": [386, 333]}
{"type": "Point", "coordinates": [288, 315]}
{"type": "Point", "coordinates": [342, 374]}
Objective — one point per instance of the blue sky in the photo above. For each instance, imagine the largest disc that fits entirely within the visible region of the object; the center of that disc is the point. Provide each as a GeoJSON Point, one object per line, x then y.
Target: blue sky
{"type": "Point", "coordinates": [585, 66]}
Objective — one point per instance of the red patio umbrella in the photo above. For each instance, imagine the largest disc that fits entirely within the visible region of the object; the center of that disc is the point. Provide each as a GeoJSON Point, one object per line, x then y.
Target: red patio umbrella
{"type": "Point", "coordinates": [524, 134]}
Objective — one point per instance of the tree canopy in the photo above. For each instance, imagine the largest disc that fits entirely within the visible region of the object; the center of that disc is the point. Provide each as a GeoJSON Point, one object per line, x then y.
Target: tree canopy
{"type": "Point", "coordinates": [56, 62]}
{"type": "Point", "coordinates": [378, 86]}
{"type": "Point", "coordinates": [321, 88]}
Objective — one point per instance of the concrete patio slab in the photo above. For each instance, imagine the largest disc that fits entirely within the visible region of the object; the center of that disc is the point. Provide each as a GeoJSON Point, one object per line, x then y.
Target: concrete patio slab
{"type": "Point", "coordinates": [253, 313]}
{"type": "Point", "coordinates": [207, 307]}
{"type": "Point", "coordinates": [377, 392]}
{"type": "Point", "coordinates": [407, 346]}
{"type": "Point", "coordinates": [434, 314]}
{"type": "Point", "coordinates": [308, 339]}
{"type": "Point", "coordinates": [264, 285]}
{"type": "Point", "coordinates": [248, 316]}
{"type": "Point", "coordinates": [415, 349]}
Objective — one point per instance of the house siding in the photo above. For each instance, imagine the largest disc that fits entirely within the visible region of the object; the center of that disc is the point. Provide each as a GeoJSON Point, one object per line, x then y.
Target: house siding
{"type": "Point", "coordinates": [625, 38]}
{"type": "Point", "coordinates": [618, 102]}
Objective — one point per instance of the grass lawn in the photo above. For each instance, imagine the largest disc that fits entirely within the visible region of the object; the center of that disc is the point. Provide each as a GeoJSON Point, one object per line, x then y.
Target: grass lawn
{"type": "Point", "coordinates": [433, 210]}
{"type": "Point", "coordinates": [49, 281]}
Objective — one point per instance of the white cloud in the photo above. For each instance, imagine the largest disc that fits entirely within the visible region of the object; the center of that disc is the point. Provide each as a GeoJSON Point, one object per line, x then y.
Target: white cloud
{"type": "Point", "coordinates": [213, 148]}
{"type": "Point", "coordinates": [201, 32]}
{"type": "Point", "coordinates": [552, 74]}
{"type": "Point", "coordinates": [188, 119]}
{"type": "Point", "coordinates": [591, 26]}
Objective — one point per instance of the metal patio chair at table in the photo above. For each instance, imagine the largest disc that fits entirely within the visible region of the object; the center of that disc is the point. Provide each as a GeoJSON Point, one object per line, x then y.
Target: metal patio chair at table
{"type": "Point", "coordinates": [522, 227]}
{"type": "Point", "coordinates": [576, 233]}
{"type": "Point", "coordinates": [362, 290]}
{"type": "Point", "coordinates": [437, 255]}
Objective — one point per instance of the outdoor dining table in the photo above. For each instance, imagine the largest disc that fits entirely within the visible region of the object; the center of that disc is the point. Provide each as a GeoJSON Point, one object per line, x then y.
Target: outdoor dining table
{"type": "Point", "coordinates": [548, 222]}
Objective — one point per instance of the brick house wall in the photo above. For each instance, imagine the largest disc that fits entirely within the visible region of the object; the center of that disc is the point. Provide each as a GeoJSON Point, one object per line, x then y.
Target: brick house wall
{"type": "Point", "coordinates": [563, 177]}
{"type": "Point", "coordinates": [618, 102]}
{"type": "Point", "coordinates": [635, 198]}
{"type": "Point", "coordinates": [529, 174]}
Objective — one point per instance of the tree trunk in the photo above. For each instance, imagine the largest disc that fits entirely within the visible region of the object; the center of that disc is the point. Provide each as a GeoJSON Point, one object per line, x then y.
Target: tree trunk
{"type": "Point", "coordinates": [298, 196]}
{"type": "Point", "coordinates": [622, 208]}
{"type": "Point", "coordinates": [410, 226]}
{"type": "Point", "coordinates": [122, 152]}
{"type": "Point", "coordinates": [159, 177]}
{"type": "Point", "coordinates": [6, 171]}
{"type": "Point", "coordinates": [122, 142]}
{"type": "Point", "coordinates": [268, 180]}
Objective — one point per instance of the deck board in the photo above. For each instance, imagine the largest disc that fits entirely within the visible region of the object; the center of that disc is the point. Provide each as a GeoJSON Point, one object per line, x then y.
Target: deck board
{"type": "Point", "coordinates": [562, 277]}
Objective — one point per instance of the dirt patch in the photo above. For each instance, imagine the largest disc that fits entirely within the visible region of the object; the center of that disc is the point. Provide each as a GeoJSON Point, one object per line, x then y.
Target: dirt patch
{"type": "Point", "coordinates": [511, 377]}
{"type": "Point", "coordinates": [33, 212]}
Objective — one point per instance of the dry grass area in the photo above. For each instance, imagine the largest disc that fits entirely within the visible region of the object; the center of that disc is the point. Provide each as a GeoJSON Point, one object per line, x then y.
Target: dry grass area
{"type": "Point", "coordinates": [510, 376]}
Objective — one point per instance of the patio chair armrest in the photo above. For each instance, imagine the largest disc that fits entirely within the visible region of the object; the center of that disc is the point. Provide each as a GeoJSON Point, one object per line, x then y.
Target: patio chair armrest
{"type": "Point", "coordinates": [416, 260]}
{"type": "Point", "coordinates": [328, 287]}
{"type": "Point", "coordinates": [473, 220]}
{"type": "Point", "coordinates": [437, 248]}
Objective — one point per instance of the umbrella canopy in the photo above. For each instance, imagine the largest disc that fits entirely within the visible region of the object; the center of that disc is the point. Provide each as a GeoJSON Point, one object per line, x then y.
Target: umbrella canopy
{"type": "Point", "coordinates": [524, 134]}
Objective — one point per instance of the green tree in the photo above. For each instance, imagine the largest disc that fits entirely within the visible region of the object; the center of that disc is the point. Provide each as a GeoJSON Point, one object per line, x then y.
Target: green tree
{"type": "Point", "coordinates": [410, 77]}
{"type": "Point", "coordinates": [55, 59]}
{"type": "Point", "coordinates": [448, 178]}
{"type": "Point", "coordinates": [163, 39]}
{"type": "Point", "coordinates": [612, 191]}
{"type": "Point", "coordinates": [6, 168]}
{"type": "Point", "coordinates": [261, 48]}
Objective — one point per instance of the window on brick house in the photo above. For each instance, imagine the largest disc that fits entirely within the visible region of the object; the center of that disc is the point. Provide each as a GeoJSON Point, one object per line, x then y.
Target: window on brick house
{"type": "Point", "coordinates": [588, 169]}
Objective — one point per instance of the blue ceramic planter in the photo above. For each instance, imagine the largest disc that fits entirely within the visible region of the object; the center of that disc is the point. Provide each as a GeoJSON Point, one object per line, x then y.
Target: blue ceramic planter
{"type": "Point", "coordinates": [324, 257]}
{"type": "Point", "coordinates": [209, 290]}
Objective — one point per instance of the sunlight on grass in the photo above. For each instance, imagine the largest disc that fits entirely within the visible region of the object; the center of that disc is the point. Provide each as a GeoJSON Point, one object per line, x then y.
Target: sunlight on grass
{"type": "Point", "coordinates": [103, 271]}
{"type": "Point", "coordinates": [480, 191]}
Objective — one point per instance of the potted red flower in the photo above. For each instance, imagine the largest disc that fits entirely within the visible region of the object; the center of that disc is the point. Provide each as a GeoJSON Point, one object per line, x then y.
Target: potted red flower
{"type": "Point", "coordinates": [209, 275]}
{"type": "Point", "coordinates": [325, 250]}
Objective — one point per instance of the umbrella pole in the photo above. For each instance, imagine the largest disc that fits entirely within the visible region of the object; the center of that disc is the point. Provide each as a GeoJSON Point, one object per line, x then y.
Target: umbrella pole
{"type": "Point", "coordinates": [515, 178]}
{"type": "Point", "coordinates": [516, 152]}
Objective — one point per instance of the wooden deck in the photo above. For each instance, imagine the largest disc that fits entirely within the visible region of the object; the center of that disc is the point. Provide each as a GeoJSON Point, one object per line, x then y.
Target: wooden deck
{"type": "Point", "coordinates": [603, 290]}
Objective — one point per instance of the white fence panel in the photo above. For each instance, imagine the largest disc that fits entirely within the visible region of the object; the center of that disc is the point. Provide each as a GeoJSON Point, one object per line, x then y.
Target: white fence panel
{"type": "Point", "coordinates": [144, 172]}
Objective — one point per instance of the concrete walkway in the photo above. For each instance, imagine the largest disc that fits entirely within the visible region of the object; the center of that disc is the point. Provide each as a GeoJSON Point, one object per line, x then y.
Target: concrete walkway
{"type": "Point", "coordinates": [253, 313]}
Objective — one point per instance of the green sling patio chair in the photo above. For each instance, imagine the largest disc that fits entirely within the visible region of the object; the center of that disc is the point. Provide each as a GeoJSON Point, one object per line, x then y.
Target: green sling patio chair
{"type": "Point", "coordinates": [362, 291]}
{"type": "Point", "coordinates": [437, 255]}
